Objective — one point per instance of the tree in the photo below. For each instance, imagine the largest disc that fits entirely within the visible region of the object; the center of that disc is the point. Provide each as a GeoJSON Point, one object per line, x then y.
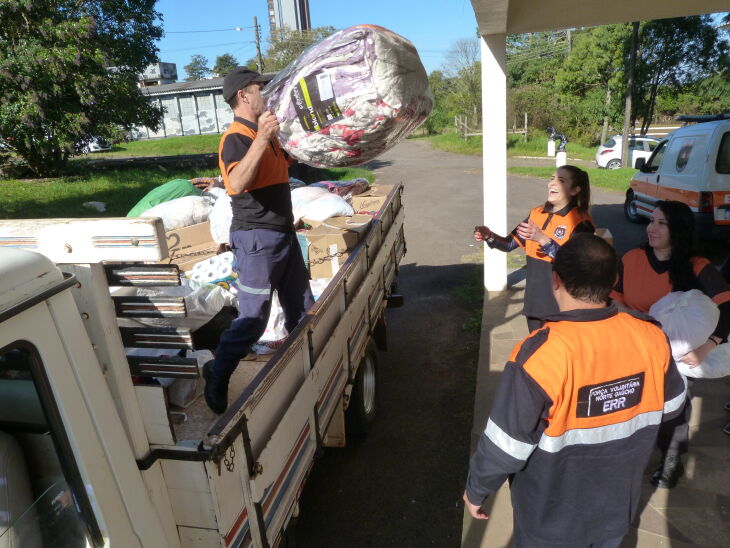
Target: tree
{"type": "Point", "coordinates": [68, 70]}
{"type": "Point", "coordinates": [285, 45]}
{"type": "Point", "coordinates": [673, 53]}
{"type": "Point", "coordinates": [591, 78]}
{"type": "Point", "coordinates": [442, 113]}
{"type": "Point", "coordinates": [464, 70]}
{"type": "Point", "coordinates": [197, 69]}
{"type": "Point", "coordinates": [224, 64]}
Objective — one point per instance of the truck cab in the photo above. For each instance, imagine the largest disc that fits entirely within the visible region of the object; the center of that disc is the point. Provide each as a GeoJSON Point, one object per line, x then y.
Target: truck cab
{"type": "Point", "coordinates": [692, 165]}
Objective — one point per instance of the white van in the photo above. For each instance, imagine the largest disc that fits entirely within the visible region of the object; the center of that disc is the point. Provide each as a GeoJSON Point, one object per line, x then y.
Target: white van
{"type": "Point", "coordinates": [692, 165]}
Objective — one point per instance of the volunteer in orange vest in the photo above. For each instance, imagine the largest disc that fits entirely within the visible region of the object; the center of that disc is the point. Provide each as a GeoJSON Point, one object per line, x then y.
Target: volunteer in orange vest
{"type": "Point", "coordinates": [646, 274]}
{"type": "Point", "coordinates": [547, 227]}
{"type": "Point", "coordinates": [577, 410]}
{"type": "Point", "coordinates": [268, 256]}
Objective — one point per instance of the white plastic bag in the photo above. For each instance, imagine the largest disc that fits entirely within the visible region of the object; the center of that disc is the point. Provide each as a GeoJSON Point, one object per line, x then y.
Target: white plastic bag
{"type": "Point", "coordinates": [716, 364]}
{"type": "Point", "coordinates": [318, 204]}
{"type": "Point", "coordinates": [220, 219]}
{"type": "Point", "coordinates": [181, 212]}
{"type": "Point", "coordinates": [687, 317]}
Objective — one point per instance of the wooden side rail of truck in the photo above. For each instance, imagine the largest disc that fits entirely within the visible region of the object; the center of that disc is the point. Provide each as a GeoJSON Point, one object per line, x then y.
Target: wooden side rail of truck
{"type": "Point", "coordinates": [138, 478]}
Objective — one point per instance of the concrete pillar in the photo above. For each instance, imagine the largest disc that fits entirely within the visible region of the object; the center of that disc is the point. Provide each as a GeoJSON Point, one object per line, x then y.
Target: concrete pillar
{"type": "Point", "coordinates": [494, 115]}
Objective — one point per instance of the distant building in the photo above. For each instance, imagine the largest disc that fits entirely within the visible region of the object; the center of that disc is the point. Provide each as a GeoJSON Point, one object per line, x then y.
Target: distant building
{"type": "Point", "coordinates": [291, 14]}
{"type": "Point", "coordinates": [191, 108]}
{"type": "Point", "coordinates": [158, 74]}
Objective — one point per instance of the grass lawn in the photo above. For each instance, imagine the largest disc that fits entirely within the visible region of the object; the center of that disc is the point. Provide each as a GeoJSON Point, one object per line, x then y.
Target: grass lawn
{"type": "Point", "coordinates": [119, 189]}
{"type": "Point", "coordinates": [613, 179]}
{"type": "Point", "coordinates": [535, 146]}
{"type": "Point", "coordinates": [171, 146]}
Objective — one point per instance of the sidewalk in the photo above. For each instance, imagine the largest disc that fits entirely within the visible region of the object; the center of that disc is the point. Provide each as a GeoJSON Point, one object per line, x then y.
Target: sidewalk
{"type": "Point", "coordinates": [695, 513]}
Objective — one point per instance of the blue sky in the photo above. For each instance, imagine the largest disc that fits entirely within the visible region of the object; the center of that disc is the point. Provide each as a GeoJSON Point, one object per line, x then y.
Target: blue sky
{"type": "Point", "coordinates": [432, 26]}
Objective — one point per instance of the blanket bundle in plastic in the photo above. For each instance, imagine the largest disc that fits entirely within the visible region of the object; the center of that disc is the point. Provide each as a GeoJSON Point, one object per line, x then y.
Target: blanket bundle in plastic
{"type": "Point", "coordinates": [689, 318]}
{"type": "Point", "coordinates": [350, 97]}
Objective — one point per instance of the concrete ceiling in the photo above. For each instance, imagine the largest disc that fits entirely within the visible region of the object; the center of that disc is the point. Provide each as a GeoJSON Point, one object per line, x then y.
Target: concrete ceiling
{"type": "Point", "coordinates": [518, 16]}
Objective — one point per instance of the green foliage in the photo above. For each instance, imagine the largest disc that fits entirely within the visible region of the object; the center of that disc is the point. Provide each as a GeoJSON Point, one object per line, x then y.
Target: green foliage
{"type": "Point", "coordinates": [464, 71]}
{"type": "Point", "coordinates": [197, 69]}
{"type": "Point", "coordinates": [285, 45]}
{"type": "Point", "coordinates": [68, 70]}
{"type": "Point", "coordinates": [442, 114]}
{"type": "Point", "coordinates": [682, 68]}
{"type": "Point", "coordinates": [674, 53]}
{"type": "Point", "coordinates": [534, 58]}
{"type": "Point", "coordinates": [224, 64]}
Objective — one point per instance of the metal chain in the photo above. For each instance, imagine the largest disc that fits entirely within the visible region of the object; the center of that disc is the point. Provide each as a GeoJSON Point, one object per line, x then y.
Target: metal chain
{"type": "Point", "coordinates": [228, 463]}
{"type": "Point", "coordinates": [329, 257]}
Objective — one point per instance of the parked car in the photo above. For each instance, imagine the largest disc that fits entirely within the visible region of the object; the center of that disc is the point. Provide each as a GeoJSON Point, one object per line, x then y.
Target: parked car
{"type": "Point", "coordinates": [608, 154]}
{"type": "Point", "coordinates": [95, 144]}
{"type": "Point", "coordinates": [691, 165]}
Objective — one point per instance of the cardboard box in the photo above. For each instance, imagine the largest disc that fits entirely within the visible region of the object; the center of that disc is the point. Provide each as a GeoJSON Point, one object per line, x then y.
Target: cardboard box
{"type": "Point", "coordinates": [189, 245]}
{"type": "Point", "coordinates": [331, 243]}
{"type": "Point", "coordinates": [605, 234]}
{"type": "Point", "coordinates": [372, 200]}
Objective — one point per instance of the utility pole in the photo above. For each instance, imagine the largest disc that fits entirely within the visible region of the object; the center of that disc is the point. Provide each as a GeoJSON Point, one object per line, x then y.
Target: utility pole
{"type": "Point", "coordinates": [629, 95]}
{"type": "Point", "coordinates": [258, 45]}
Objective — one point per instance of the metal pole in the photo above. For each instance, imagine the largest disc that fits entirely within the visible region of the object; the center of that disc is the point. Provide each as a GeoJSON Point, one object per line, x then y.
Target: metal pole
{"type": "Point", "coordinates": [258, 45]}
{"type": "Point", "coordinates": [525, 127]}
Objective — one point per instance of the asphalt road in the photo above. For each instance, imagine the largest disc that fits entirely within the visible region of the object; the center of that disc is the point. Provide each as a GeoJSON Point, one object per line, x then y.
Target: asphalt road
{"type": "Point", "coordinates": [402, 484]}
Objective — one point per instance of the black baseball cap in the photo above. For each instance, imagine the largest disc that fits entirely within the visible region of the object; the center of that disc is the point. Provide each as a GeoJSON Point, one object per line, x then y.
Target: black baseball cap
{"type": "Point", "coordinates": [239, 78]}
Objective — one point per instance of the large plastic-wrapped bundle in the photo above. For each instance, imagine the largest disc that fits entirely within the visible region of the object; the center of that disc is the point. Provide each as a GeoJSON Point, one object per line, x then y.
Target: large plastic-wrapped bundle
{"type": "Point", "coordinates": [350, 97]}
{"type": "Point", "coordinates": [687, 317]}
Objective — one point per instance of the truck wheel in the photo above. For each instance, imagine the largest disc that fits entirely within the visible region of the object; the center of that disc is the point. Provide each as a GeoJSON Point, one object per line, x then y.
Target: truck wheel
{"type": "Point", "coordinates": [361, 411]}
{"type": "Point", "coordinates": [630, 210]}
{"type": "Point", "coordinates": [613, 164]}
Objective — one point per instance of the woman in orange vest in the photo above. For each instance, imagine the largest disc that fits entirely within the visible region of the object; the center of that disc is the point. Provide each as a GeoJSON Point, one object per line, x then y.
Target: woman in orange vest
{"type": "Point", "coordinates": [646, 274]}
{"type": "Point", "coordinates": [541, 234]}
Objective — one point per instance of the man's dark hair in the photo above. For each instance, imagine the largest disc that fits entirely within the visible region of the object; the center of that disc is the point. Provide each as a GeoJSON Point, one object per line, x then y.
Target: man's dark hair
{"type": "Point", "coordinates": [587, 266]}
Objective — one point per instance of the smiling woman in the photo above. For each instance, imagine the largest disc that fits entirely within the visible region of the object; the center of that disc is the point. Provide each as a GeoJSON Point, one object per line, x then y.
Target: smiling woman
{"type": "Point", "coordinates": [546, 228]}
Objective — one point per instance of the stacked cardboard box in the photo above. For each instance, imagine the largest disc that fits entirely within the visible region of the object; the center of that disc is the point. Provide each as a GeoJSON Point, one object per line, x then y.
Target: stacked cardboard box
{"type": "Point", "coordinates": [189, 245]}
{"type": "Point", "coordinates": [370, 201]}
{"type": "Point", "coordinates": [332, 241]}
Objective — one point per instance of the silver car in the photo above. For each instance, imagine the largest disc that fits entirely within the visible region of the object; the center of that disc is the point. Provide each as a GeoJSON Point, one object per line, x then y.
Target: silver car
{"type": "Point", "coordinates": [608, 154]}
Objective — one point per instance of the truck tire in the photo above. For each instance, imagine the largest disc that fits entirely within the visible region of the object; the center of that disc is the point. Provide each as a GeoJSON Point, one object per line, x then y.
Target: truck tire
{"type": "Point", "coordinates": [613, 164]}
{"type": "Point", "coordinates": [630, 210]}
{"type": "Point", "coordinates": [361, 411]}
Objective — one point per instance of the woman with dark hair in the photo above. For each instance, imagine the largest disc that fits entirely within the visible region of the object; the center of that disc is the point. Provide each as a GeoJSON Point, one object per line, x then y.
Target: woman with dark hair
{"type": "Point", "coordinates": [546, 228]}
{"type": "Point", "coordinates": [665, 264]}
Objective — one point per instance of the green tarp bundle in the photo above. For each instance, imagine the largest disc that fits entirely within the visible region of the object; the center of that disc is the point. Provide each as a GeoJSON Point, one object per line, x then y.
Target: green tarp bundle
{"type": "Point", "coordinates": [177, 188]}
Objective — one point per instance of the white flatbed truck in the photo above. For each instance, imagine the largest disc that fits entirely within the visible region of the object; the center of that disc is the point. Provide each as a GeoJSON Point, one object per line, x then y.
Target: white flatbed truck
{"type": "Point", "coordinates": [87, 446]}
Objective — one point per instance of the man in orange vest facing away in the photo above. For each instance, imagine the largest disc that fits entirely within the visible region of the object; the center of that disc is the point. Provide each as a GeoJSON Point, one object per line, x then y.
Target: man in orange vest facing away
{"type": "Point", "coordinates": [268, 256]}
{"type": "Point", "coordinates": [577, 411]}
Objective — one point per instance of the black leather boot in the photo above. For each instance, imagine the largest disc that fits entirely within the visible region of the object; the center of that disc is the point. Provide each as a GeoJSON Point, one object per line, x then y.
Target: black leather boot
{"type": "Point", "coordinates": [216, 389]}
{"type": "Point", "coordinates": [668, 474]}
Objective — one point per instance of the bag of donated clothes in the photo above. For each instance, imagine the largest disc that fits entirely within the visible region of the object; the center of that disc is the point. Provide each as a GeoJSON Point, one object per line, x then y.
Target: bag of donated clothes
{"type": "Point", "coordinates": [689, 318]}
{"type": "Point", "coordinates": [350, 97]}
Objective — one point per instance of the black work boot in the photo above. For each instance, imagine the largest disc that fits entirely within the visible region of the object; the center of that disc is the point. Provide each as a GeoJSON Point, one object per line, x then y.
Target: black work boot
{"type": "Point", "coordinates": [216, 389]}
{"type": "Point", "coordinates": [668, 474]}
